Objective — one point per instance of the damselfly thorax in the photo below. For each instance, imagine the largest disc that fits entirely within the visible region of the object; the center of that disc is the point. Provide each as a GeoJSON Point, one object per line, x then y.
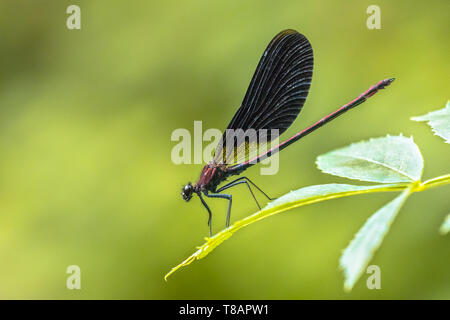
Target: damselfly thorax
{"type": "Point", "coordinates": [210, 177]}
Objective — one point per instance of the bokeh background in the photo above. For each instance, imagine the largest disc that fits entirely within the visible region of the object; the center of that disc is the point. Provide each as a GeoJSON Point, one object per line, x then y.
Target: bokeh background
{"type": "Point", "coordinates": [86, 176]}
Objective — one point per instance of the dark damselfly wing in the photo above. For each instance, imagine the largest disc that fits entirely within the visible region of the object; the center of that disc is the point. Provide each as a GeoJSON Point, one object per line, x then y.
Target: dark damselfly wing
{"type": "Point", "coordinates": [276, 95]}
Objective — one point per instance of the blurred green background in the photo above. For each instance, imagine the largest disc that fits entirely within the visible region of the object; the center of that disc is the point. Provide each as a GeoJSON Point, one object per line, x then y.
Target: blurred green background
{"type": "Point", "coordinates": [86, 176]}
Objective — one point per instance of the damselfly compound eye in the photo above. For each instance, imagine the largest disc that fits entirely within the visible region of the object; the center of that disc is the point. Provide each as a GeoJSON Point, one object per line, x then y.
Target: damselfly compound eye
{"type": "Point", "coordinates": [187, 191]}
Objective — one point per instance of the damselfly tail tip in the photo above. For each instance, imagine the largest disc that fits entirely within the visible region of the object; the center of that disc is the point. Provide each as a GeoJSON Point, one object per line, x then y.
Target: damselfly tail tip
{"type": "Point", "coordinates": [384, 83]}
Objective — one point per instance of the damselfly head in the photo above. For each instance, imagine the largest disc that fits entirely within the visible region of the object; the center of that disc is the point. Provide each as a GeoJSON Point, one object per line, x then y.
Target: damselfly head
{"type": "Point", "coordinates": [187, 192]}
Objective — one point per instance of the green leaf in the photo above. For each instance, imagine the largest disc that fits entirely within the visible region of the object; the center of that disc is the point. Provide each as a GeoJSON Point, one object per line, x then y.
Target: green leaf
{"type": "Point", "coordinates": [439, 121]}
{"type": "Point", "coordinates": [293, 199]}
{"type": "Point", "coordinates": [361, 249]}
{"type": "Point", "coordinates": [386, 160]}
{"type": "Point", "coordinates": [445, 228]}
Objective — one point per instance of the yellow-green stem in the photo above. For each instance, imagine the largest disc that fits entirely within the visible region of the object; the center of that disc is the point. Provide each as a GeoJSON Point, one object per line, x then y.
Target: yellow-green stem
{"type": "Point", "coordinates": [435, 182]}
